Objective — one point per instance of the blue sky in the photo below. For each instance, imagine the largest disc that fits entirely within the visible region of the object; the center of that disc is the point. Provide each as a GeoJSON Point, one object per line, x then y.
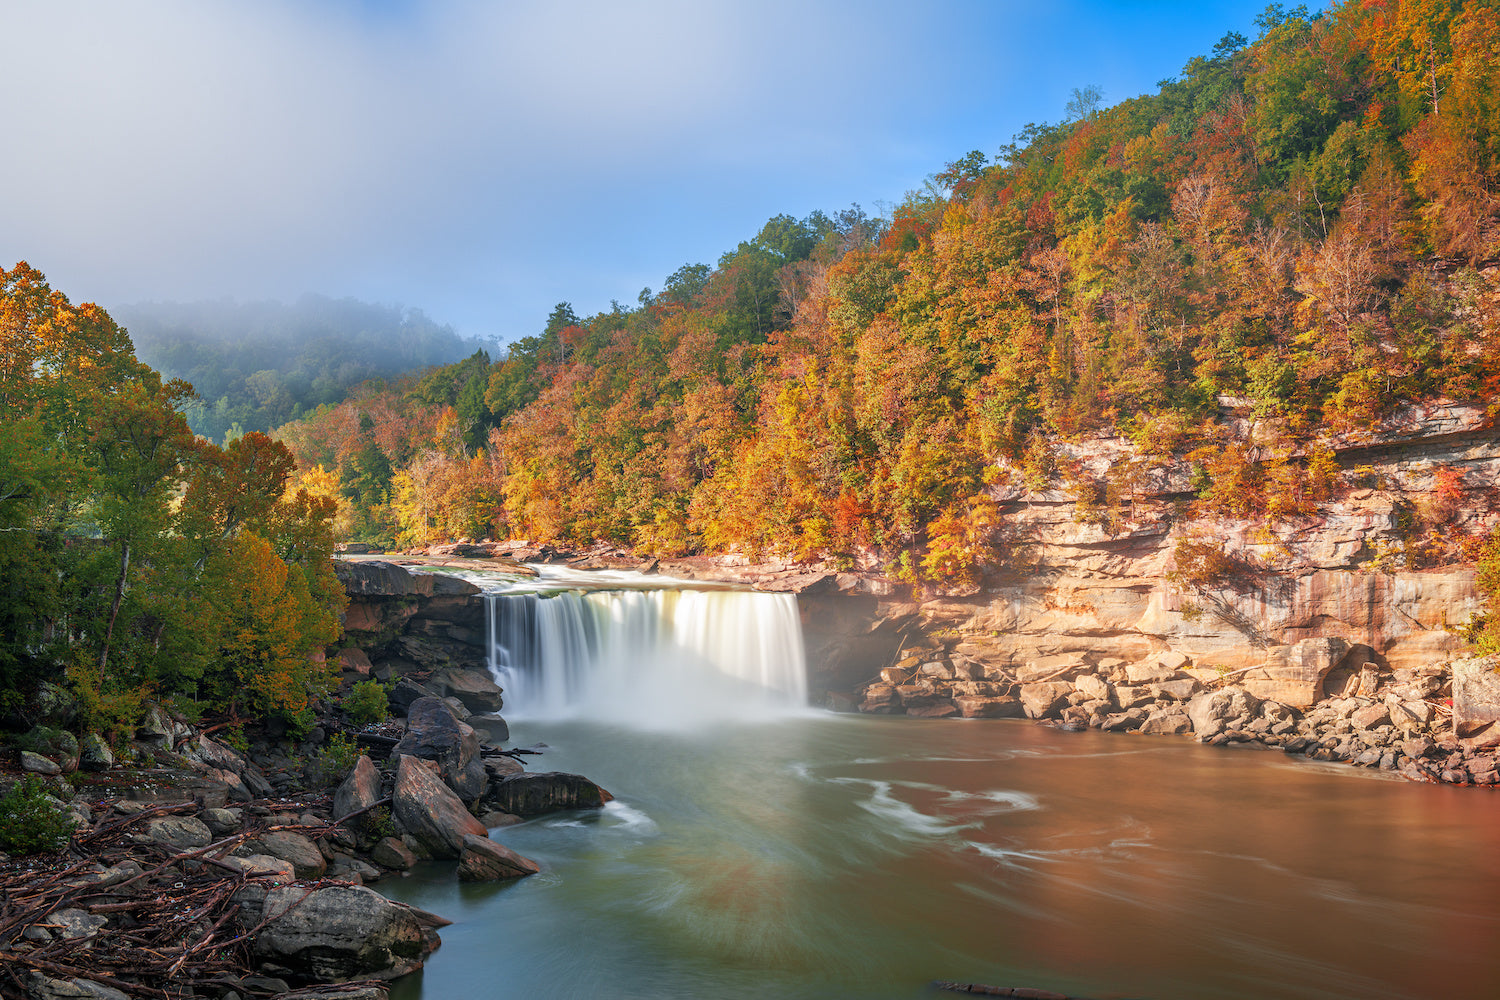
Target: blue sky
{"type": "Point", "coordinates": [483, 161]}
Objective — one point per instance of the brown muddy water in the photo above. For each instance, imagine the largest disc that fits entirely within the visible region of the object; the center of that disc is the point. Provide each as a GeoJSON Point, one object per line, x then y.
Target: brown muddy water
{"type": "Point", "coordinates": [866, 857]}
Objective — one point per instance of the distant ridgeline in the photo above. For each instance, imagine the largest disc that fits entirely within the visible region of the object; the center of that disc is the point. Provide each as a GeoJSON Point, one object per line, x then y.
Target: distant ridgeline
{"type": "Point", "coordinates": [256, 365]}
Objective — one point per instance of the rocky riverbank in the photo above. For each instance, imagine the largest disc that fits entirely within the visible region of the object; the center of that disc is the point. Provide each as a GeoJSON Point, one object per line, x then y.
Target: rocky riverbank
{"type": "Point", "coordinates": [199, 871]}
{"type": "Point", "coordinates": [1325, 700]}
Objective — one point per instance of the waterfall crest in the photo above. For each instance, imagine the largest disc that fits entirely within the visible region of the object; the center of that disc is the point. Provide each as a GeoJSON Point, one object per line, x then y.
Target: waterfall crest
{"type": "Point", "coordinates": [649, 657]}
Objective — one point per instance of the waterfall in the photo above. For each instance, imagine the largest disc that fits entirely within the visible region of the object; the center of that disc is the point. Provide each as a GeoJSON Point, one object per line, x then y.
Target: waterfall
{"type": "Point", "coordinates": [646, 656]}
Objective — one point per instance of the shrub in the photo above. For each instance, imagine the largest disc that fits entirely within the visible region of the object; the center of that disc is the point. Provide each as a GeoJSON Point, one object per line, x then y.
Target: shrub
{"type": "Point", "coordinates": [367, 703]}
{"type": "Point", "coordinates": [335, 759]}
{"type": "Point", "coordinates": [1484, 631]}
{"type": "Point", "coordinates": [31, 821]}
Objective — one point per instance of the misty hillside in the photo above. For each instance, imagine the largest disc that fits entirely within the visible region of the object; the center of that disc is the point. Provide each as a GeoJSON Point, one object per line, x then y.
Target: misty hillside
{"type": "Point", "coordinates": [260, 364]}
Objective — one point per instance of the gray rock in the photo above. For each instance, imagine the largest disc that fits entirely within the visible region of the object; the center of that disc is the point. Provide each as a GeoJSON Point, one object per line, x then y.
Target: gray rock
{"type": "Point", "coordinates": [156, 728]}
{"type": "Point", "coordinates": [392, 853]}
{"type": "Point", "coordinates": [491, 728]}
{"type": "Point", "coordinates": [434, 733]}
{"type": "Point", "coordinates": [220, 821]}
{"type": "Point", "coordinates": [537, 794]}
{"type": "Point", "coordinates": [1179, 689]}
{"type": "Point", "coordinates": [334, 933]}
{"type": "Point", "coordinates": [37, 764]}
{"type": "Point", "coordinates": [978, 706]}
{"type": "Point", "coordinates": [1370, 717]}
{"type": "Point", "coordinates": [1476, 697]}
{"type": "Point", "coordinates": [430, 811]}
{"type": "Point", "coordinates": [45, 987]}
{"type": "Point", "coordinates": [483, 860]}
{"type": "Point", "coordinates": [75, 925]}
{"type": "Point", "coordinates": [1094, 687]}
{"type": "Point", "coordinates": [94, 754]}
{"type": "Point", "coordinates": [181, 833]}
{"type": "Point", "coordinates": [302, 854]}
{"type": "Point", "coordinates": [1124, 721]}
{"type": "Point", "coordinates": [404, 693]}
{"type": "Point", "coordinates": [476, 689]}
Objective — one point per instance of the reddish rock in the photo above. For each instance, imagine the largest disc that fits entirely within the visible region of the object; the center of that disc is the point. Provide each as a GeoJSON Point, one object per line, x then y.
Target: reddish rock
{"type": "Point", "coordinates": [483, 860]}
{"type": "Point", "coordinates": [354, 661]}
{"type": "Point", "coordinates": [360, 790]}
{"type": "Point", "coordinates": [936, 710]}
{"type": "Point", "coordinates": [1044, 699]}
{"type": "Point", "coordinates": [431, 812]}
{"type": "Point", "coordinates": [988, 707]}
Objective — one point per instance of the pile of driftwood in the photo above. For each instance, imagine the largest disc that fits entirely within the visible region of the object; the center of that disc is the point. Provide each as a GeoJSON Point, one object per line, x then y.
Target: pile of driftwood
{"type": "Point", "coordinates": [135, 916]}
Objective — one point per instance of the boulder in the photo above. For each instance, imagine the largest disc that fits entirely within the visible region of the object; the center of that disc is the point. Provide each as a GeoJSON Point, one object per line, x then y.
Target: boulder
{"type": "Point", "coordinates": [360, 790]}
{"type": "Point", "coordinates": [94, 754]}
{"type": "Point", "coordinates": [332, 934]}
{"type": "Point", "coordinates": [988, 707]}
{"type": "Point", "coordinates": [1180, 689]}
{"type": "Point", "coordinates": [1166, 722]}
{"type": "Point", "coordinates": [483, 860]}
{"type": "Point", "coordinates": [1042, 700]}
{"type": "Point", "coordinates": [37, 764]}
{"type": "Point", "coordinates": [1370, 716]}
{"type": "Point", "coordinates": [1050, 668]}
{"type": "Point", "coordinates": [73, 924]}
{"type": "Point", "coordinates": [1212, 712]}
{"type": "Point", "coordinates": [935, 710]}
{"type": "Point", "coordinates": [490, 728]}
{"type": "Point", "coordinates": [181, 833]}
{"type": "Point", "coordinates": [406, 692]}
{"type": "Point", "coordinates": [1149, 672]}
{"type": "Point", "coordinates": [434, 733]}
{"type": "Point", "coordinates": [1094, 687]}
{"type": "Point", "coordinates": [938, 670]}
{"type": "Point", "coordinates": [1295, 676]}
{"type": "Point", "coordinates": [430, 811]}
{"type": "Point", "coordinates": [220, 821]}
{"type": "Point", "coordinates": [212, 754]}
{"type": "Point", "coordinates": [548, 791]}
{"type": "Point", "coordinates": [354, 661]}
{"type": "Point", "coordinates": [1476, 697]}
{"type": "Point", "coordinates": [296, 850]}
{"type": "Point", "coordinates": [392, 853]}
{"type": "Point", "coordinates": [378, 578]}
{"type": "Point", "coordinates": [45, 987]}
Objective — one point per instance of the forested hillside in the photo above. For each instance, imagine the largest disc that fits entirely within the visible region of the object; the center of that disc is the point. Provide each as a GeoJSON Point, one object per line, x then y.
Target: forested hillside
{"type": "Point", "coordinates": [256, 365]}
{"type": "Point", "coordinates": [136, 559]}
{"type": "Point", "coordinates": [1305, 224]}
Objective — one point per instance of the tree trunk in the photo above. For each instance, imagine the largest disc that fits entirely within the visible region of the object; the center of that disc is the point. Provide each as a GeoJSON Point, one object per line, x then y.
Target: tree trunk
{"type": "Point", "coordinates": [114, 610]}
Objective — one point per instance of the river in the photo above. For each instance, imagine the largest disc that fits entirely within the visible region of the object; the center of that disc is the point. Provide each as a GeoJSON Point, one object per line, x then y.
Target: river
{"type": "Point", "coordinates": [817, 855]}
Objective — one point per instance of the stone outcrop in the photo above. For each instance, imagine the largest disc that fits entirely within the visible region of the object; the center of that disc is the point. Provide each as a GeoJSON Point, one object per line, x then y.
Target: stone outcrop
{"type": "Point", "coordinates": [429, 812]}
{"type": "Point", "coordinates": [1476, 700]}
{"type": "Point", "coordinates": [529, 795]}
{"type": "Point", "coordinates": [333, 933]}
{"type": "Point", "coordinates": [483, 860]}
{"type": "Point", "coordinates": [435, 733]}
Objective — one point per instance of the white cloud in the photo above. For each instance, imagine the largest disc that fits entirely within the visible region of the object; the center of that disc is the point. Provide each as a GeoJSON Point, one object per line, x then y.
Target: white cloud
{"type": "Point", "coordinates": [479, 159]}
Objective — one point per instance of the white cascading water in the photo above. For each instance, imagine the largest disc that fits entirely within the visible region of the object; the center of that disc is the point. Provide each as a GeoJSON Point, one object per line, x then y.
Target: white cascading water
{"type": "Point", "coordinates": [654, 658]}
